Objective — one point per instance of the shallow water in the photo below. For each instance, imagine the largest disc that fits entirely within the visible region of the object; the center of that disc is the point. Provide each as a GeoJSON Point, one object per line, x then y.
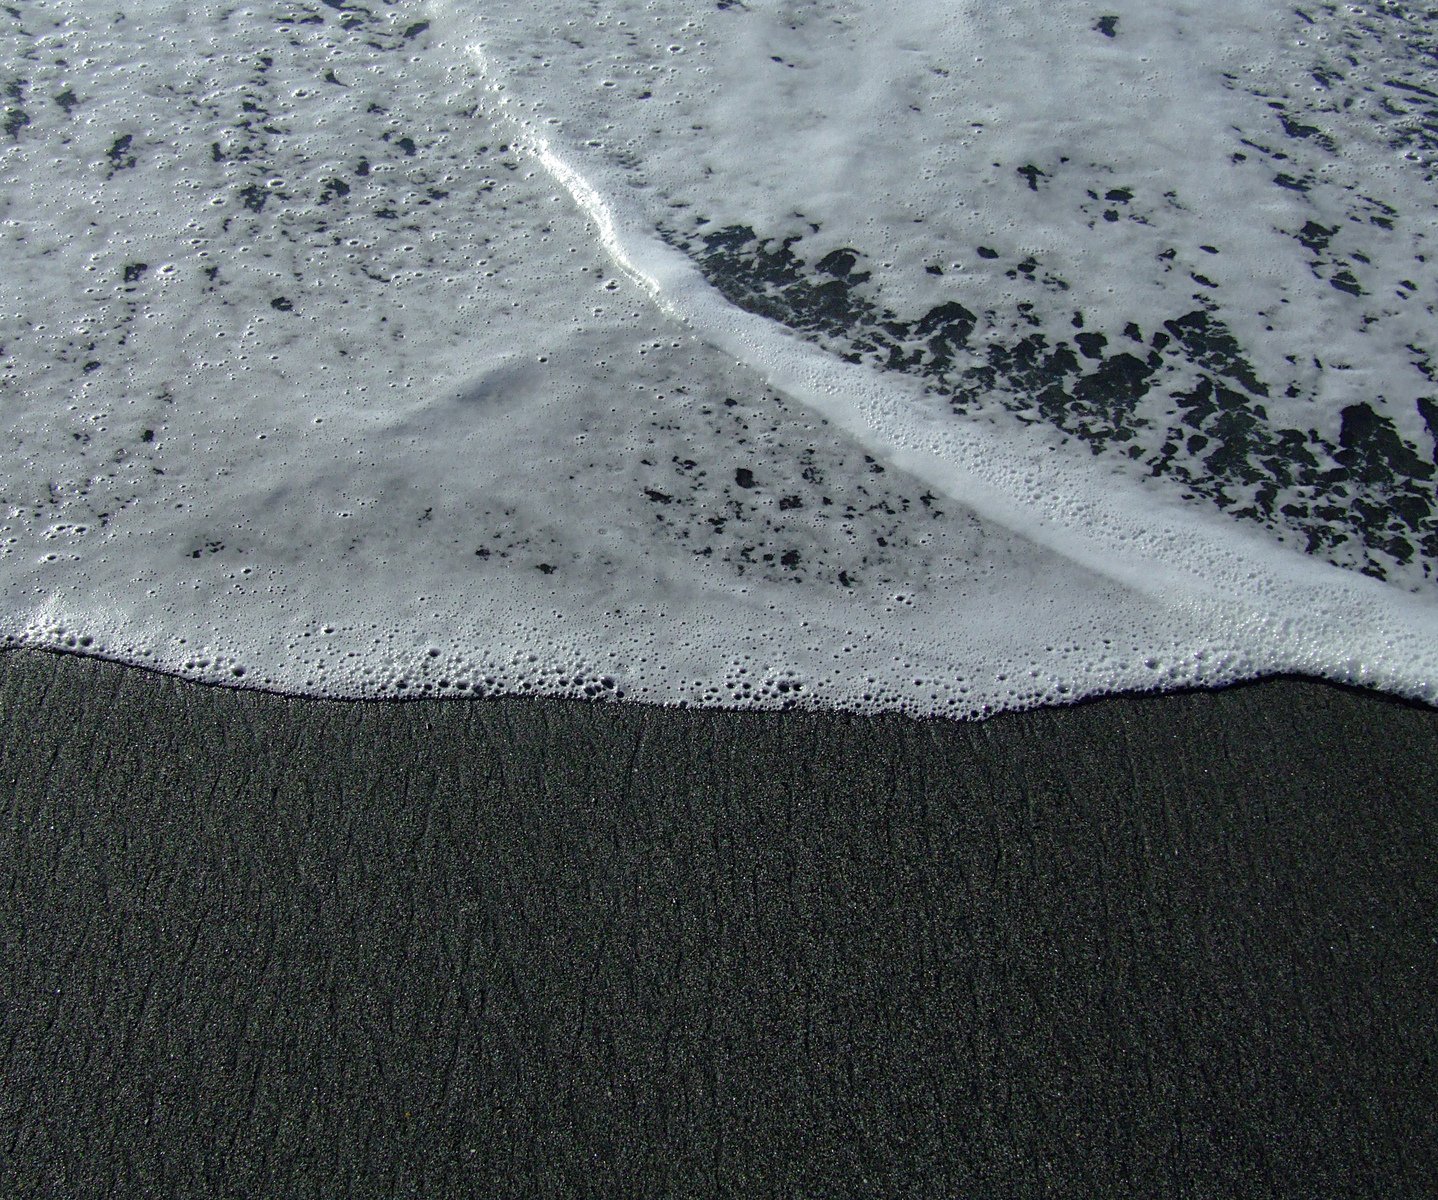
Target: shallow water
{"type": "Point", "coordinates": [949, 357]}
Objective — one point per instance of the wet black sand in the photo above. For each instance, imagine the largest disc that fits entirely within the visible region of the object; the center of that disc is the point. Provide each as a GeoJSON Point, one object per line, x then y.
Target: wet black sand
{"type": "Point", "coordinates": [258, 946]}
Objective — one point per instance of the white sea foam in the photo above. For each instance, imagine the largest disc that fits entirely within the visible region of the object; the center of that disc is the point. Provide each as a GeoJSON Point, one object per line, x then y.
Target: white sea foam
{"type": "Point", "coordinates": [359, 355]}
{"type": "Point", "coordinates": [903, 128]}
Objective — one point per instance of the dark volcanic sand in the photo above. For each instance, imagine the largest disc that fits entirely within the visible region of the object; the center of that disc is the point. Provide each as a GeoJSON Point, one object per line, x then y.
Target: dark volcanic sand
{"type": "Point", "coordinates": [260, 946]}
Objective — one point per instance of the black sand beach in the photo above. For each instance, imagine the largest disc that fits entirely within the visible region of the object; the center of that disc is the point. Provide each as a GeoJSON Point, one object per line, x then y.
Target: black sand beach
{"type": "Point", "coordinates": [261, 946]}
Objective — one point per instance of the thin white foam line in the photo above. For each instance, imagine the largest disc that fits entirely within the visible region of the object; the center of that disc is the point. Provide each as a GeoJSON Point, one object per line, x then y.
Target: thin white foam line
{"type": "Point", "coordinates": [593, 205]}
{"type": "Point", "coordinates": [804, 371]}
{"type": "Point", "coordinates": [584, 194]}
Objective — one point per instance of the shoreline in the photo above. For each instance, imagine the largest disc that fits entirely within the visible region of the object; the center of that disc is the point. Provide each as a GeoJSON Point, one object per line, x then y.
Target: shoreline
{"type": "Point", "coordinates": [260, 944]}
{"type": "Point", "coordinates": [245, 686]}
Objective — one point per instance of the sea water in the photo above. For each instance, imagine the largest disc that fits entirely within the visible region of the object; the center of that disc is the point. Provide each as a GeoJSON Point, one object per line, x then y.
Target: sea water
{"type": "Point", "coordinates": [944, 356]}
